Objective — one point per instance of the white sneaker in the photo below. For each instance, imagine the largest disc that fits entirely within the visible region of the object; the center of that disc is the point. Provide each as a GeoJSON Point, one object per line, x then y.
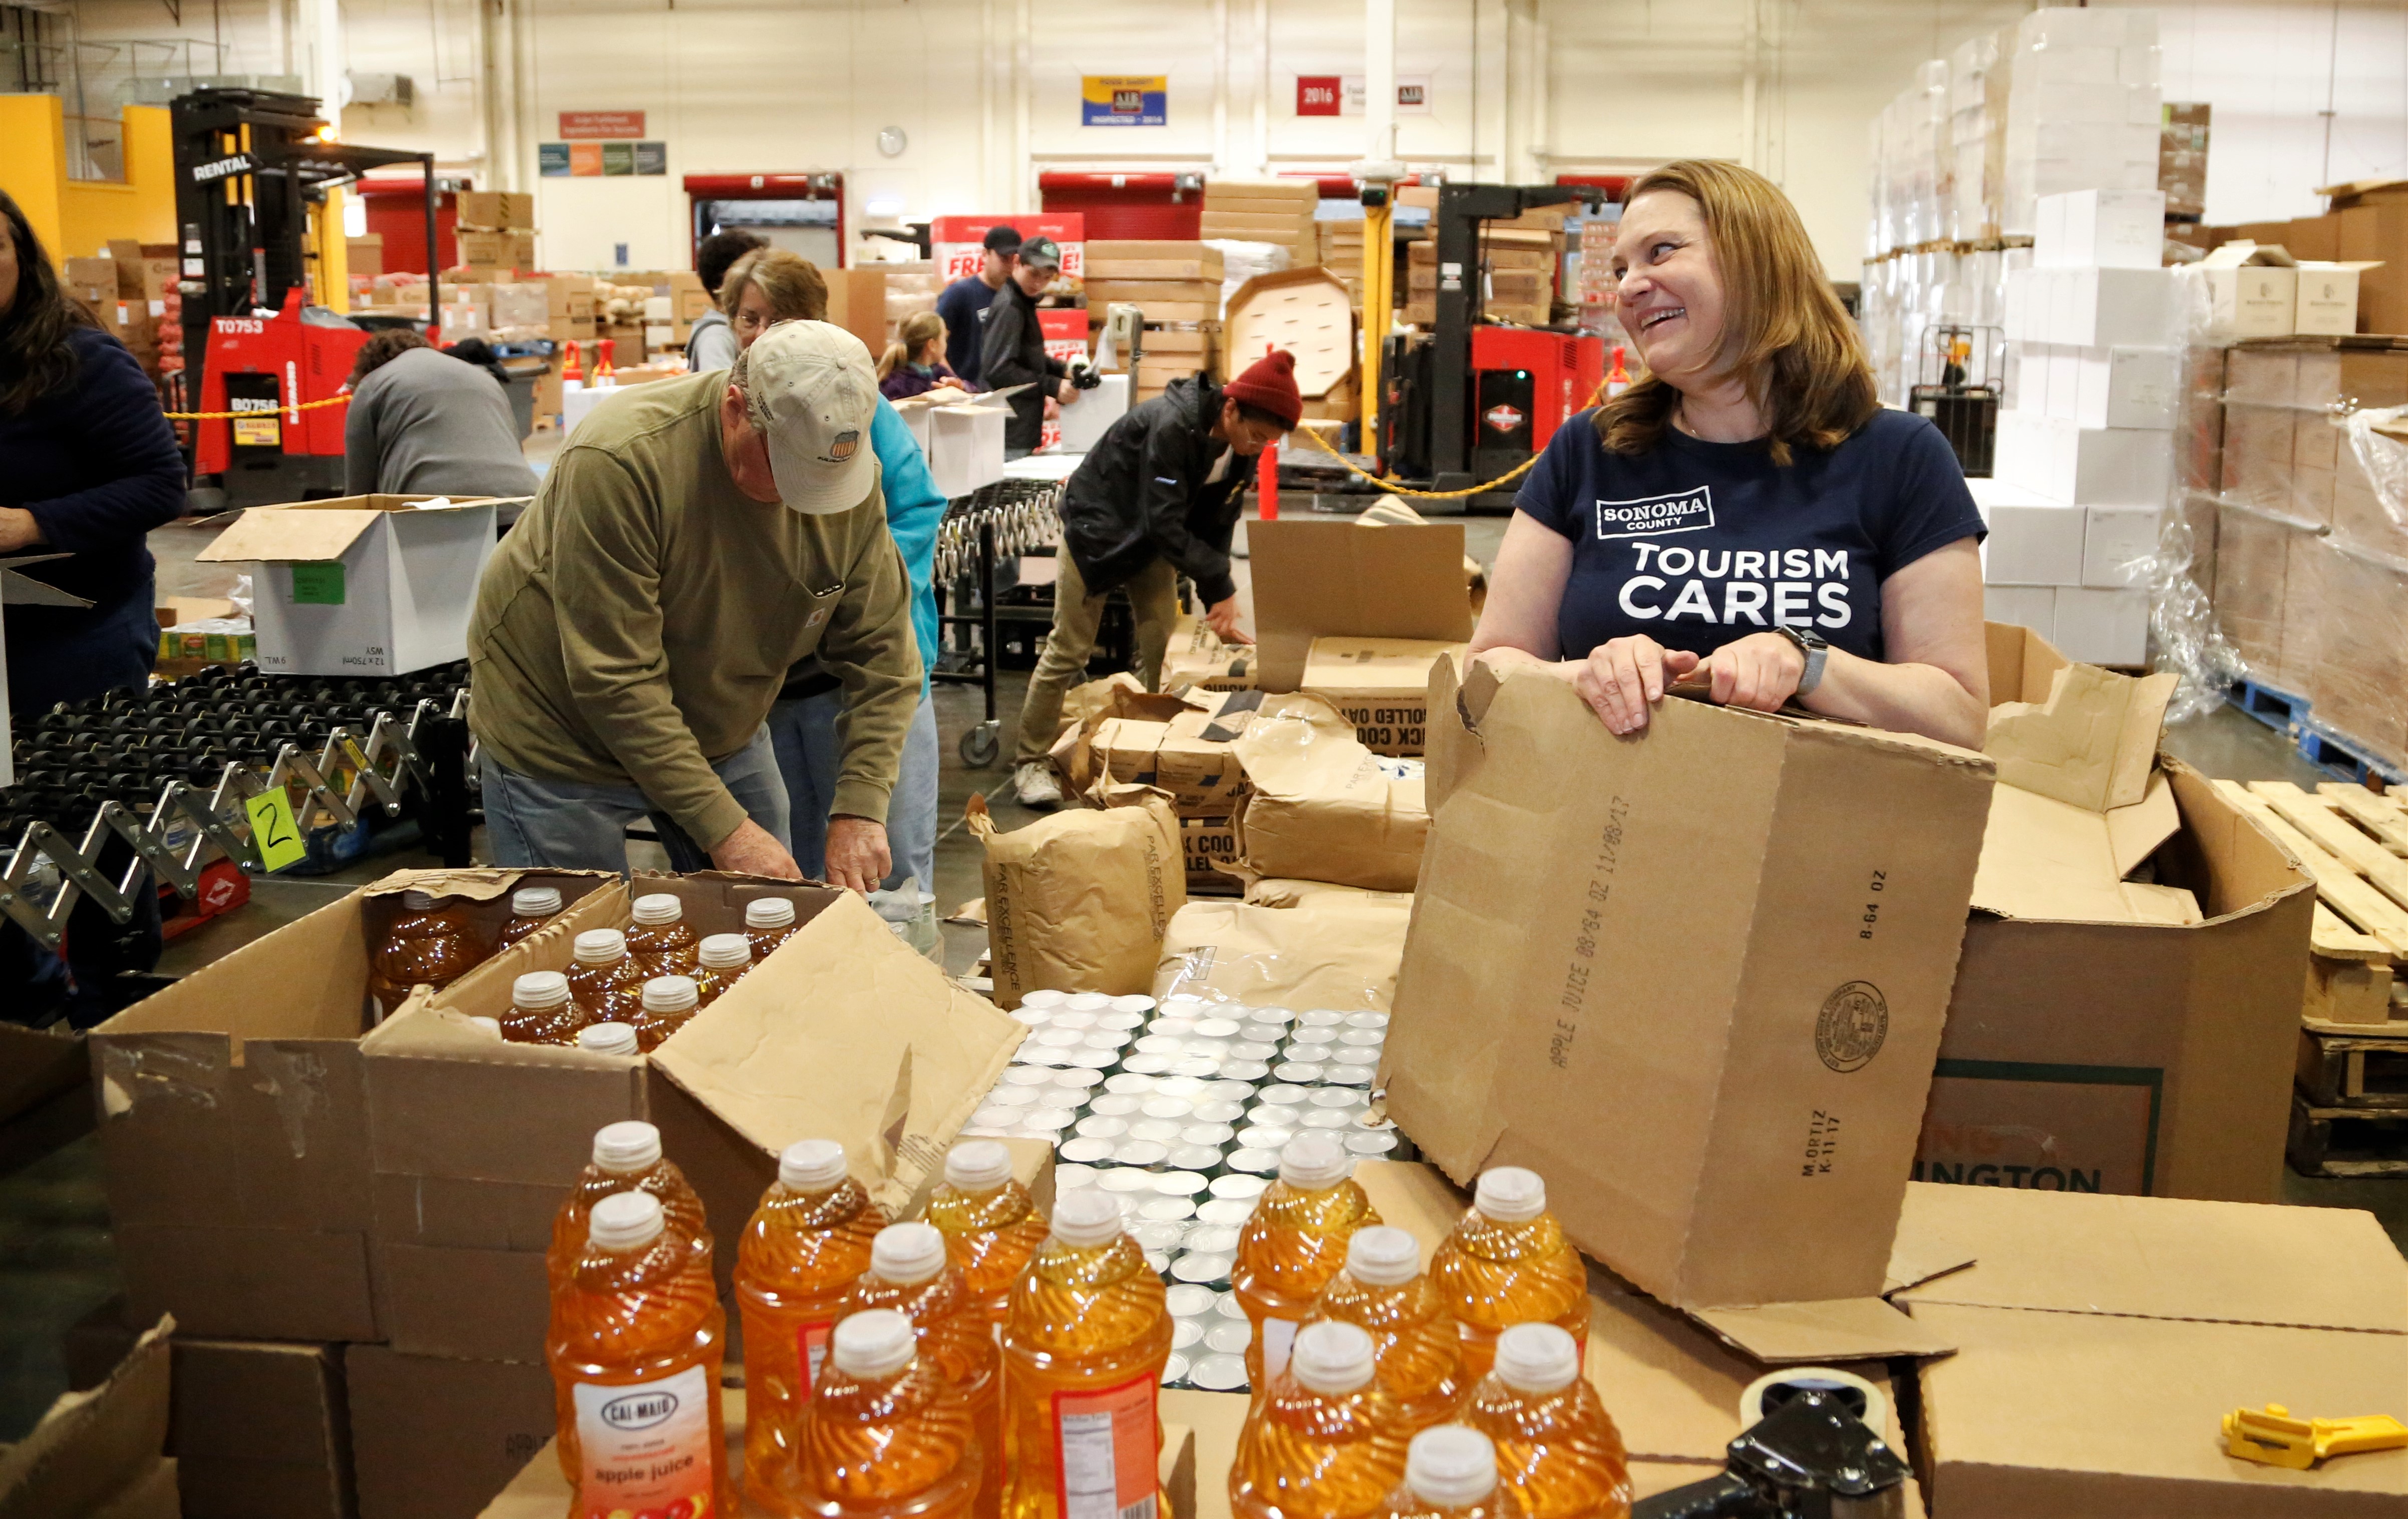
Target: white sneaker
{"type": "Point", "coordinates": [1035, 785]}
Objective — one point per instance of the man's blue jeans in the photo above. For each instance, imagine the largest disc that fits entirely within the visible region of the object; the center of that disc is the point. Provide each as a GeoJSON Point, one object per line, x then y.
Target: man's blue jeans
{"type": "Point", "coordinates": [572, 825]}
{"type": "Point", "coordinates": [809, 758]}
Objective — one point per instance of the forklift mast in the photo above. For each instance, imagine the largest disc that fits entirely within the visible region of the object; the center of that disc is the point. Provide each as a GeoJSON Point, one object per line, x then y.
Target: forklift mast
{"type": "Point", "coordinates": [1461, 209]}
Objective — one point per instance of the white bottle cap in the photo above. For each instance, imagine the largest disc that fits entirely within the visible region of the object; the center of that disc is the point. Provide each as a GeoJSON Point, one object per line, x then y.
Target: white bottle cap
{"type": "Point", "coordinates": [1381, 1257]}
{"type": "Point", "coordinates": [626, 1221]}
{"type": "Point", "coordinates": [1331, 1357]}
{"type": "Point", "coordinates": [976, 1165]}
{"type": "Point", "coordinates": [1315, 1161]}
{"type": "Point", "coordinates": [1134, 1002]}
{"type": "Point", "coordinates": [536, 901]}
{"type": "Point", "coordinates": [875, 1342]}
{"type": "Point", "coordinates": [768, 912]}
{"type": "Point", "coordinates": [725, 951]}
{"type": "Point", "coordinates": [671, 994]}
{"type": "Point", "coordinates": [491, 1025]}
{"type": "Point", "coordinates": [608, 1038]}
{"type": "Point", "coordinates": [540, 989]}
{"type": "Point", "coordinates": [630, 1145]}
{"type": "Point", "coordinates": [1536, 1358]}
{"type": "Point", "coordinates": [658, 908]}
{"type": "Point", "coordinates": [811, 1166]}
{"type": "Point", "coordinates": [1450, 1466]}
{"type": "Point", "coordinates": [1088, 1002]}
{"type": "Point", "coordinates": [1089, 1216]}
{"type": "Point", "coordinates": [1044, 998]}
{"type": "Point", "coordinates": [600, 946]}
{"type": "Point", "coordinates": [1510, 1194]}
{"type": "Point", "coordinates": [415, 900]}
{"type": "Point", "coordinates": [907, 1255]}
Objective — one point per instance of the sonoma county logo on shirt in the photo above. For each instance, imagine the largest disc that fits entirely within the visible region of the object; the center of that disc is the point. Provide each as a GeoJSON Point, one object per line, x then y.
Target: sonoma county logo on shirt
{"type": "Point", "coordinates": [1651, 515]}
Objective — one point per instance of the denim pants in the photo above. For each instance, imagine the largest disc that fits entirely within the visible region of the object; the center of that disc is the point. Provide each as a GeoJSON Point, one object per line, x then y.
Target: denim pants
{"type": "Point", "coordinates": [809, 758]}
{"type": "Point", "coordinates": [572, 825]}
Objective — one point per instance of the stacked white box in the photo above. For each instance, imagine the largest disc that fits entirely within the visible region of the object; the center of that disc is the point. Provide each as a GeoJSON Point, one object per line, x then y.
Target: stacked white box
{"type": "Point", "coordinates": [2100, 229]}
{"type": "Point", "coordinates": [2083, 107]}
{"type": "Point", "coordinates": [2102, 627]}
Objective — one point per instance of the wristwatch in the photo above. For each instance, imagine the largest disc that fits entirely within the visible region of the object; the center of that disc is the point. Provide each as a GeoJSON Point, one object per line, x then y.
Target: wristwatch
{"type": "Point", "coordinates": [1816, 650]}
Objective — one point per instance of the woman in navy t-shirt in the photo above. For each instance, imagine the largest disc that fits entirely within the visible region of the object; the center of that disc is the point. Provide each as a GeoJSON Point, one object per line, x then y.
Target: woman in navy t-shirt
{"type": "Point", "coordinates": [1749, 512]}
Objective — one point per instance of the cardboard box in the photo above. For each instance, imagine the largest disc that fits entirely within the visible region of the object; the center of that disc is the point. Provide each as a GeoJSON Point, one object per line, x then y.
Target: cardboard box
{"type": "Point", "coordinates": [2103, 626]}
{"type": "Point", "coordinates": [97, 1453]}
{"type": "Point", "coordinates": [2101, 1340]}
{"type": "Point", "coordinates": [1328, 579]}
{"type": "Point", "coordinates": [2249, 299]}
{"type": "Point", "coordinates": [1820, 902]}
{"type": "Point", "coordinates": [362, 585]}
{"type": "Point", "coordinates": [2117, 544]}
{"type": "Point", "coordinates": [1187, 755]}
{"type": "Point", "coordinates": [1150, 259]}
{"type": "Point", "coordinates": [259, 1430]}
{"type": "Point", "coordinates": [233, 1133]}
{"type": "Point", "coordinates": [1206, 844]}
{"type": "Point", "coordinates": [364, 257]}
{"type": "Point", "coordinates": [2033, 544]}
{"type": "Point", "coordinates": [1380, 686]}
{"type": "Point", "coordinates": [473, 1145]}
{"type": "Point", "coordinates": [2110, 229]}
{"type": "Point", "coordinates": [436, 1439]}
{"type": "Point", "coordinates": [2129, 1036]}
{"type": "Point", "coordinates": [1197, 658]}
{"type": "Point", "coordinates": [2327, 299]}
{"type": "Point", "coordinates": [857, 303]}
{"type": "Point", "coordinates": [495, 209]}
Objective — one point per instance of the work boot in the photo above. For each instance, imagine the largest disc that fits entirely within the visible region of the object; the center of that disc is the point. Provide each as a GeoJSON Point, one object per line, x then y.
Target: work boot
{"type": "Point", "coordinates": [1034, 784]}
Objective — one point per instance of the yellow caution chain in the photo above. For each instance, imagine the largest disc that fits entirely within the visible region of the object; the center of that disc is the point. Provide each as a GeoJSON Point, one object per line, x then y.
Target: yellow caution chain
{"type": "Point", "coordinates": [1314, 438]}
{"type": "Point", "coordinates": [228, 416]}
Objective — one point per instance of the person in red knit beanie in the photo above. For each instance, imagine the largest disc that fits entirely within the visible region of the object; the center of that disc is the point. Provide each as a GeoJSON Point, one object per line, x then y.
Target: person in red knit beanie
{"type": "Point", "coordinates": [1157, 498]}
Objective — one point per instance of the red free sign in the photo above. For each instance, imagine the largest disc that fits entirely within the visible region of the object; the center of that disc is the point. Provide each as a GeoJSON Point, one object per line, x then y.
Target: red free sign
{"type": "Point", "coordinates": [601, 126]}
{"type": "Point", "coordinates": [1318, 94]}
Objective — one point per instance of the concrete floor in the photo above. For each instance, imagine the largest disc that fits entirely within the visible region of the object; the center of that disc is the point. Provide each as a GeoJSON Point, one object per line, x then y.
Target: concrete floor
{"type": "Point", "coordinates": [56, 1262]}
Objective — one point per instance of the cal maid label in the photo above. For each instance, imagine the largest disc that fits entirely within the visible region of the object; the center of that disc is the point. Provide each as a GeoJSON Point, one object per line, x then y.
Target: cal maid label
{"type": "Point", "coordinates": [646, 1447]}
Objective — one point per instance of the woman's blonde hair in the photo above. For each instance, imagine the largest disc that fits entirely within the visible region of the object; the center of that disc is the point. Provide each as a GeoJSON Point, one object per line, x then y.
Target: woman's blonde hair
{"type": "Point", "coordinates": [919, 329]}
{"type": "Point", "coordinates": [1784, 332]}
{"type": "Point", "coordinates": [791, 283]}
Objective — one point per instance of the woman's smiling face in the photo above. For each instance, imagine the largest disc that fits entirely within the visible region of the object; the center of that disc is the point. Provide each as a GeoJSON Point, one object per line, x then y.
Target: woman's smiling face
{"type": "Point", "coordinates": [1670, 287]}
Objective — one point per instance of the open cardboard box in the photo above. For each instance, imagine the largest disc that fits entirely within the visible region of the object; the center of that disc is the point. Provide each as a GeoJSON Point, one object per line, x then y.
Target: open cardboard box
{"type": "Point", "coordinates": [2105, 1034]}
{"type": "Point", "coordinates": [1352, 580]}
{"type": "Point", "coordinates": [363, 585]}
{"type": "Point", "coordinates": [1700, 992]}
{"type": "Point", "coordinates": [2101, 1339]}
{"type": "Point", "coordinates": [234, 1136]}
{"type": "Point", "coordinates": [842, 1033]}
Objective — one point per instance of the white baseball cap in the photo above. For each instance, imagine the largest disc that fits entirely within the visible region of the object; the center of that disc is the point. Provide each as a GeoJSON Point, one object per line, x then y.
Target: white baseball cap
{"type": "Point", "coordinates": [815, 384]}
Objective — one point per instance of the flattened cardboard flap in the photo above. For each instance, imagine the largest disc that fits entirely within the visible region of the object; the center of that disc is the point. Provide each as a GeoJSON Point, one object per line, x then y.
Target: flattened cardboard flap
{"type": "Point", "coordinates": [2089, 742]}
{"type": "Point", "coordinates": [794, 1051]}
{"type": "Point", "coordinates": [1834, 1329]}
{"type": "Point", "coordinates": [2162, 1258]}
{"type": "Point", "coordinates": [1365, 580]}
{"type": "Point", "coordinates": [316, 530]}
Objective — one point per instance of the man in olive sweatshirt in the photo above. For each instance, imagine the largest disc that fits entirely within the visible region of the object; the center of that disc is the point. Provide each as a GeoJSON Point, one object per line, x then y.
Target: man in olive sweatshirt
{"type": "Point", "coordinates": [694, 540]}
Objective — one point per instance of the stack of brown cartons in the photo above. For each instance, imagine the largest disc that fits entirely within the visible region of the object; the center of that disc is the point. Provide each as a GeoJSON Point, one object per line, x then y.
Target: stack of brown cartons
{"type": "Point", "coordinates": [125, 290]}
{"type": "Point", "coordinates": [677, 300]}
{"type": "Point", "coordinates": [1520, 260]}
{"type": "Point", "coordinates": [2182, 158]}
{"type": "Point", "coordinates": [1176, 286]}
{"type": "Point", "coordinates": [1341, 254]}
{"type": "Point", "coordinates": [1265, 211]}
{"type": "Point", "coordinates": [619, 305]}
{"type": "Point", "coordinates": [496, 232]}
{"type": "Point", "coordinates": [2369, 222]}
{"type": "Point", "coordinates": [2266, 532]}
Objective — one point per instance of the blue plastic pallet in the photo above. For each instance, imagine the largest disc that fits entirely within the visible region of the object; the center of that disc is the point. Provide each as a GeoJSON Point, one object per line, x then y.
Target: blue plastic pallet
{"type": "Point", "coordinates": [2340, 754]}
{"type": "Point", "coordinates": [2277, 709]}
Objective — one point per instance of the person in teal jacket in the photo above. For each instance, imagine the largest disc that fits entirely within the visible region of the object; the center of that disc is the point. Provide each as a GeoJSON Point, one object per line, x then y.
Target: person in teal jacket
{"type": "Point", "coordinates": [805, 726]}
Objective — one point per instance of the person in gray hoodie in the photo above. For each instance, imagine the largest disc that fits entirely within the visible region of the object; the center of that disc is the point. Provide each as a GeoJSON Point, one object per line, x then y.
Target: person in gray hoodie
{"type": "Point", "coordinates": [711, 342]}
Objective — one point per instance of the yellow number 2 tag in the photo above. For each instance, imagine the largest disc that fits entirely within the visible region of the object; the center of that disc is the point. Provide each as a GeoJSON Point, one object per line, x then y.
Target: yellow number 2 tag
{"type": "Point", "coordinates": [273, 832]}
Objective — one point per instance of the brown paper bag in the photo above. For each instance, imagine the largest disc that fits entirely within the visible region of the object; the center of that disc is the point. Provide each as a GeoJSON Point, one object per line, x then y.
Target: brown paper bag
{"type": "Point", "coordinates": [1328, 951]}
{"type": "Point", "coordinates": [1079, 901]}
{"type": "Point", "coordinates": [1324, 807]}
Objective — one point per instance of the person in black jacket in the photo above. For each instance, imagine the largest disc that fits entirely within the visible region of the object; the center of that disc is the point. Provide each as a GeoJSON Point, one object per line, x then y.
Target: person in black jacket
{"type": "Point", "coordinates": [87, 467]}
{"type": "Point", "coordinates": [1158, 497]}
{"type": "Point", "coordinates": [1012, 353]}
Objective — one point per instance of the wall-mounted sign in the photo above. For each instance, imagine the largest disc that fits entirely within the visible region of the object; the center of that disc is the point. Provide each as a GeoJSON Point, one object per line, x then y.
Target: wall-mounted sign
{"type": "Point", "coordinates": [552, 160]}
{"type": "Point", "coordinates": [651, 158]}
{"type": "Point", "coordinates": [1318, 94]}
{"type": "Point", "coordinates": [598, 126]}
{"type": "Point", "coordinates": [1123, 100]}
{"type": "Point", "coordinates": [618, 158]}
{"type": "Point", "coordinates": [586, 160]}
{"type": "Point", "coordinates": [1412, 95]}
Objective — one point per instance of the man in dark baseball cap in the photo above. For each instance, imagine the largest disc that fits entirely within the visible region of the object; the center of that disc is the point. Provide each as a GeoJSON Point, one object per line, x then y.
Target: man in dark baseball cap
{"type": "Point", "coordinates": [964, 303]}
{"type": "Point", "coordinates": [1014, 351]}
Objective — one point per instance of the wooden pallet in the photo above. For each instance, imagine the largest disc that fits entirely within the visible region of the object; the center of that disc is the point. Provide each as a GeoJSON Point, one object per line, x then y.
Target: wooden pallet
{"type": "Point", "coordinates": [2358, 879]}
{"type": "Point", "coordinates": [2359, 1073]}
{"type": "Point", "coordinates": [2270, 704]}
{"type": "Point", "coordinates": [2345, 1142]}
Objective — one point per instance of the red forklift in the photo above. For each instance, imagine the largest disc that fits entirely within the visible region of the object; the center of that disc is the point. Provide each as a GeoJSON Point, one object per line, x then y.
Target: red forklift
{"type": "Point", "coordinates": [1473, 400]}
